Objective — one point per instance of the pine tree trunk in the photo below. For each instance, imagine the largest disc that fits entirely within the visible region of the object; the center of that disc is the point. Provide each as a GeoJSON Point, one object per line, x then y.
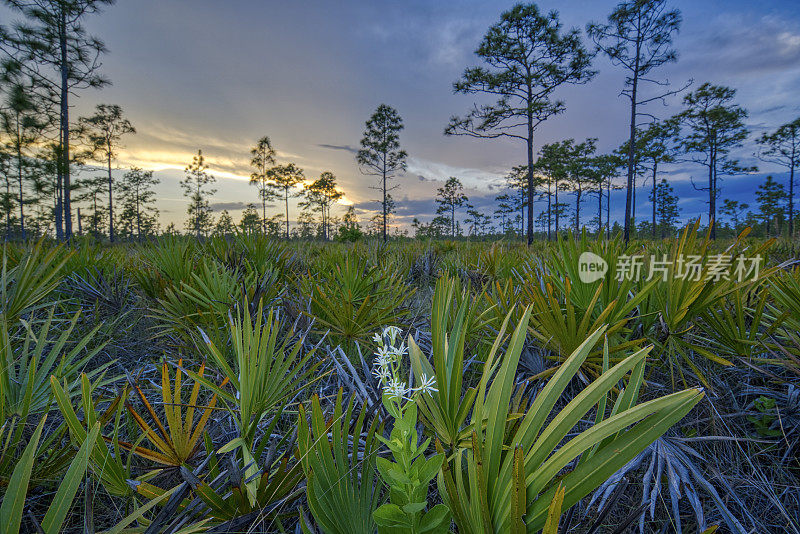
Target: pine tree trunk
{"type": "Point", "coordinates": [530, 177]}
{"type": "Point", "coordinates": [712, 192]}
{"type": "Point", "coordinates": [556, 207]}
{"type": "Point", "coordinates": [655, 198]}
{"type": "Point", "coordinates": [19, 180]}
{"type": "Point", "coordinates": [286, 199]}
{"type": "Point", "coordinates": [110, 198]}
{"type": "Point", "coordinates": [791, 200]}
{"type": "Point", "coordinates": [608, 209]}
{"type": "Point", "coordinates": [8, 211]}
{"type": "Point", "coordinates": [632, 144]}
{"type": "Point", "coordinates": [549, 211]}
{"type": "Point", "coordinates": [384, 197]}
{"type": "Point", "coordinates": [600, 211]}
{"type": "Point", "coordinates": [65, 128]}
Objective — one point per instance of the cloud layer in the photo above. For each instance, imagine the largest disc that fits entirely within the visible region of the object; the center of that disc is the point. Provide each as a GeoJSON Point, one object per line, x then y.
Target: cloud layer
{"type": "Point", "coordinates": [194, 74]}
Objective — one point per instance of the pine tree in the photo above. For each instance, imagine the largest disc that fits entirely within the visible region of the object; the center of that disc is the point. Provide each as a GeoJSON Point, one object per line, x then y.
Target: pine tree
{"type": "Point", "coordinates": [54, 50]}
{"type": "Point", "coordinates": [285, 178]}
{"type": "Point", "coordinates": [196, 187]}
{"type": "Point", "coordinates": [350, 229]}
{"type": "Point", "coordinates": [225, 226]}
{"type": "Point", "coordinates": [638, 37]}
{"type": "Point", "coordinates": [600, 170]}
{"type": "Point", "coordinates": [505, 208]}
{"type": "Point", "coordinates": [580, 175]}
{"type": "Point", "coordinates": [527, 57]}
{"type": "Point", "coordinates": [657, 146]}
{"type": "Point", "coordinates": [517, 181]}
{"type": "Point", "coordinates": [667, 206]}
{"type": "Point", "coordinates": [23, 121]}
{"type": "Point", "coordinates": [320, 195]}
{"type": "Point", "coordinates": [91, 190]}
{"type": "Point", "coordinates": [450, 197]}
{"type": "Point", "coordinates": [552, 166]}
{"type": "Point", "coordinates": [716, 127]}
{"type": "Point", "coordinates": [771, 198]}
{"type": "Point", "coordinates": [251, 223]}
{"type": "Point", "coordinates": [263, 158]}
{"type": "Point", "coordinates": [139, 216]}
{"type": "Point", "coordinates": [782, 147]}
{"type": "Point", "coordinates": [104, 131]}
{"type": "Point", "coordinates": [735, 210]}
{"type": "Point", "coordinates": [7, 197]}
{"type": "Point", "coordinates": [380, 154]}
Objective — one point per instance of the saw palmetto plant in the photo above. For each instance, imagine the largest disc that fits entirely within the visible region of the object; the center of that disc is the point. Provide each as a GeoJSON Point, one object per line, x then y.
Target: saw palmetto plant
{"type": "Point", "coordinates": [559, 326]}
{"type": "Point", "coordinates": [354, 300]}
{"type": "Point", "coordinates": [175, 440]}
{"type": "Point", "coordinates": [166, 264]}
{"type": "Point", "coordinates": [108, 465]}
{"type": "Point", "coordinates": [338, 455]}
{"type": "Point", "coordinates": [617, 296]}
{"type": "Point", "coordinates": [227, 498]}
{"type": "Point", "coordinates": [27, 281]}
{"type": "Point", "coordinates": [506, 481]}
{"type": "Point", "coordinates": [739, 326]}
{"type": "Point", "coordinates": [550, 402]}
{"type": "Point", "coordinates": [34, 354]}
{"type": "Point", "coordinates": [13, 504]}
{"type": "Point", "coordinates": [670, 315]}
{"type": "Point", "coordinates": [446, 411]}
{"type": "Point", "coordinates": [260, 374]}
{"type": "Point", "coordinates": [202, 301]}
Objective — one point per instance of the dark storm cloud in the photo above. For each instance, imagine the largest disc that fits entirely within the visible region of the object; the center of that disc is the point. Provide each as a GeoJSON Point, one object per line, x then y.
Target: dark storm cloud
{"type": "Point", "coordinates": [346, 148]}
{"type": "Point", "coordinates": [220, 206]}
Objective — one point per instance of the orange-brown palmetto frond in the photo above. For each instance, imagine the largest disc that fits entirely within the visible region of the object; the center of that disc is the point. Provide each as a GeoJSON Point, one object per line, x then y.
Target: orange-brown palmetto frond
{"type": "Point", "coordinates": [175, 442]}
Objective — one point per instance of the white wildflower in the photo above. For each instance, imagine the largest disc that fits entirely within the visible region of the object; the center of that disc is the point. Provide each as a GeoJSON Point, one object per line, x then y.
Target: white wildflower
{"type": "Point", "coordinates": [399, 351]}
{"type": "Point", "coordinates": [391, 332]}
{"type": "Point", "coordinates": [383, 360]}
{"type": "Point", "coordinates": [382, 374]}
{"type": "Point", "coordinates": [427, 385]}
{"type": "Point", "coordinates": [395, 389]}
{"type": "Point", "coordinates": [384, 353]}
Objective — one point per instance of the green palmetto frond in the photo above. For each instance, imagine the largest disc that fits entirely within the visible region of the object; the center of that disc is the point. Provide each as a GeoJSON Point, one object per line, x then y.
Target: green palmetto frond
{"type": "Point", "coordinates": [355, 300]}
{"type": "Point", "coordinates": [14, 498]}
{"type": "Point", "coordinates": [338, 457]}
{"type": "Point", "coordinates": [738, 326]}
{"type": "Point", "coordinates": [263, 376]}
{"type": "Point", "coordinates": [233, 495]}
{"type": "Point", "coordinates": [499, 475]}
{"type": "Point", "coordinates": [26, 284]}
{"type": "Point", "coordinates": [446, 410]}
{"type": "Point", "coordinates": [107, 465]}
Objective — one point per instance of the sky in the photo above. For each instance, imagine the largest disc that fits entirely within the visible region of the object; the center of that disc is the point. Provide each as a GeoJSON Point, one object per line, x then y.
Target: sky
{"type": "Point", "coordinates": [217, 76]}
